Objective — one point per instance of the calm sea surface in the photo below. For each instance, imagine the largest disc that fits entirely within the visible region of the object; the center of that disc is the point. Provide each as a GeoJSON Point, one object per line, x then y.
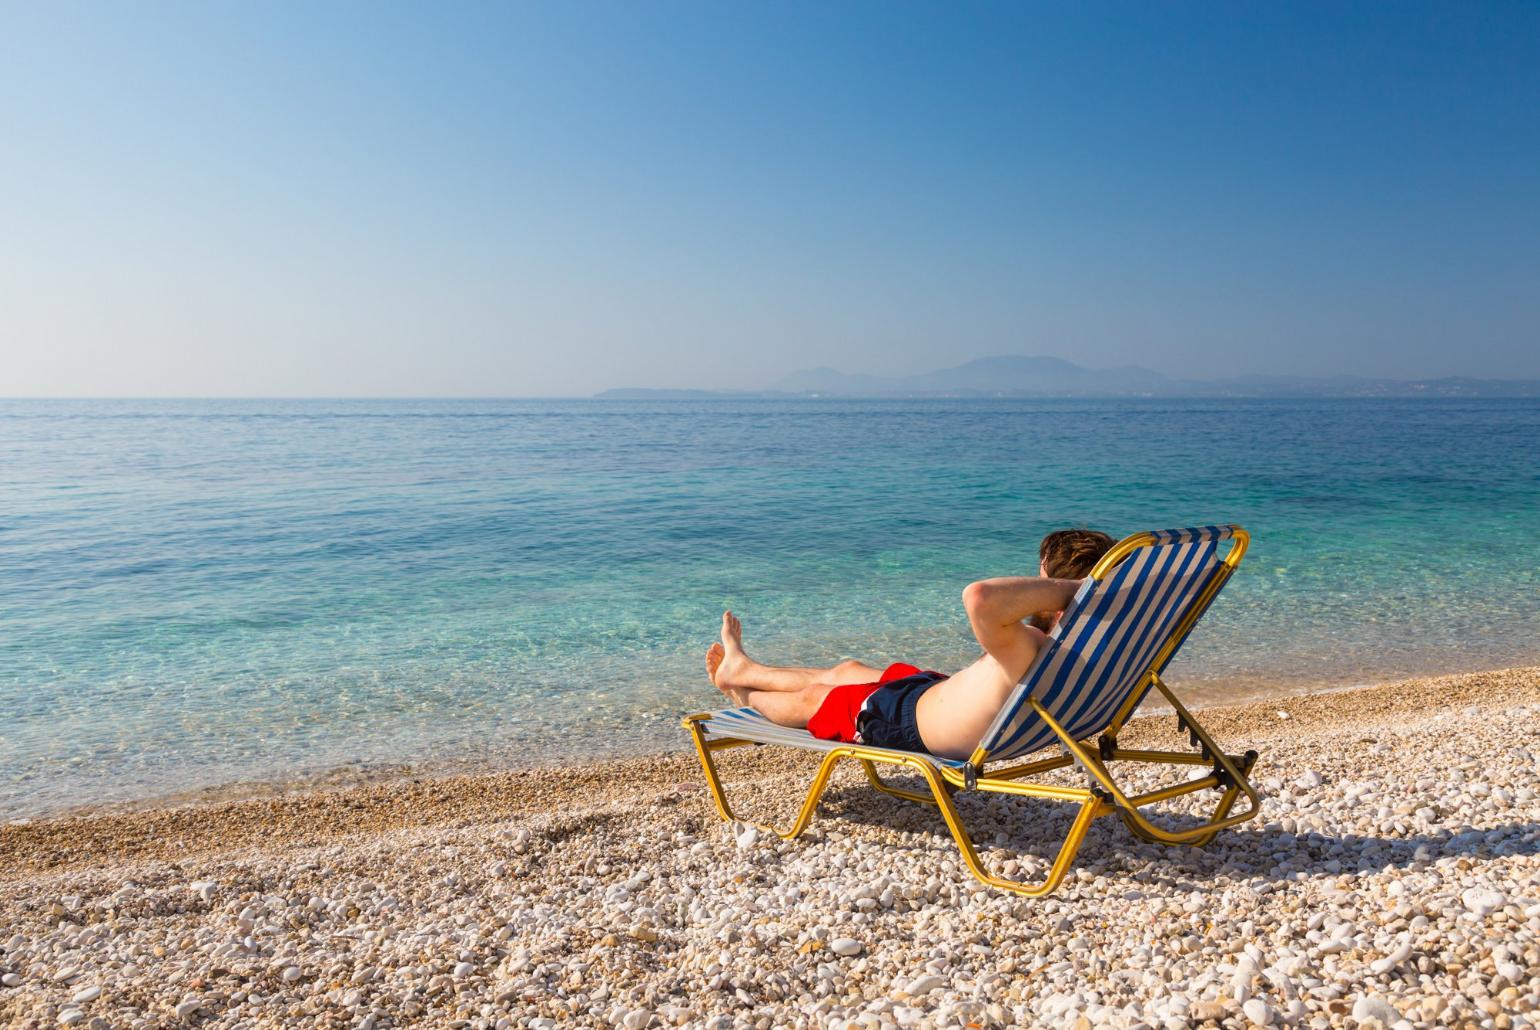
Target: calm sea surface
{"type": "Point", "coordinates": [197, 593]}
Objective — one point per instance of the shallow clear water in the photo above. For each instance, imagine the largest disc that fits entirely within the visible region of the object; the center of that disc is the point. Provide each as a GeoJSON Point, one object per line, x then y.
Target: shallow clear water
{"type": "Point", "coordinates": [200, 592]}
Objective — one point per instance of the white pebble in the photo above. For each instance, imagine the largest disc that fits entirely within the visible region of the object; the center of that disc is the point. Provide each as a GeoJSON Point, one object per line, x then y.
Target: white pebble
{"type": "Point", "coordinates": [69, 1017]}
{"type": "Point", "coordinates": [924, 984]}
{"type": "Point", "coordinates": [188, 1007]}
{"type": "Point", "coordinates": [1482, 902]}
{"type": "Point", "coordinates": [845, 946]}
{"type": "Point", "coordinates": [1258, 1011]}
{"type": "Point", "coordinates": [291, 974]}
{"type": "Point", "coordinates": [1394, 959]}
{"type": "Point", "coordinates": [1369, 1007]}
{"type": "Point", "coordinates": [10, 980]}
{"type": "Point", "coordinates": [87, 994]}
{"type": "Point", "coordinates": [462, 970]}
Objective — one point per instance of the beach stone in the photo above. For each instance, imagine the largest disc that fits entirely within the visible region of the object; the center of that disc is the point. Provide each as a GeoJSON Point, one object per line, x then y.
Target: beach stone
{"type": "Point", "coordinates": [1481, 901]}
{"type": "Point", "coordinates": [1371, 1007]}
{"type": "Point", "coordinates": [924, 985]}
{"type": "Point", "coordinates": [88, 994]}
{"type": "Point", "coordinates": [1392, 960]}
{"type": "Point", "coordinates": [71, 1016]}
{"type": "Point", "coordinates": [845, 946]}
{"type": "Point", "coordinates": [1258, 1011]}
{"type": "Point", "coordinates": [1202, 1011]}
{"type": "Point", "coordinates": [187, 1007]}
{"type": "Point", "coordinates": [10, 980]}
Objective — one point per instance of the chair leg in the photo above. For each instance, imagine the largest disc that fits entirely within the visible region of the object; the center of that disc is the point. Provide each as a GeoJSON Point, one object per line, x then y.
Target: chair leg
{"type": "Point", "coordinates": [1221, 811]}
{"type": "Point", "coordinates": [1090, 808]}
{"type": "Point", "coordinates": [898, 792]}
{"type": "Point", "coordinates": [1232, 793]}
{"type": "Point", "coordinates": [1129, 811]}
{"type": "Point", "coordinates": [809, 805]}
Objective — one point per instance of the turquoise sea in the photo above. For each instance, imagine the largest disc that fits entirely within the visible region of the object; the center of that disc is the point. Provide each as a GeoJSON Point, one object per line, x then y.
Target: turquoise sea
{"type": "Point", "coordinates": [195, 593]}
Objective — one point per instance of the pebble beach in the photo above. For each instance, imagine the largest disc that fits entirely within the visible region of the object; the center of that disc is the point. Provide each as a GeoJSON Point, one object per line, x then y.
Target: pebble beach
{"type": "Point", "coordinates": [1392, 880]}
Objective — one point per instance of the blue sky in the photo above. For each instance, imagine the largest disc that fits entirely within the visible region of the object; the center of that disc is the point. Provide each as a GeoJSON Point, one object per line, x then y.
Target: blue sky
{"type": "Point", "coordinates": [532, 199]}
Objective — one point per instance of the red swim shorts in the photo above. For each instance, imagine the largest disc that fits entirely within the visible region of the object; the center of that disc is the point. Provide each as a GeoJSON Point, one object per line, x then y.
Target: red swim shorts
{"type": "Point", "coordinates": [836, 717]}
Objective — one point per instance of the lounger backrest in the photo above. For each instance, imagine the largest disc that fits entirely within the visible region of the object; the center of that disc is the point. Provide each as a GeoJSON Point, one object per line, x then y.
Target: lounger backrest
{"type": "Point", "coordinates": [1110, 639]}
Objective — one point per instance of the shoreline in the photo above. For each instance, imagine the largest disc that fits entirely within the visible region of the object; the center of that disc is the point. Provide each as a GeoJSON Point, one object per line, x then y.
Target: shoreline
{"type": "Point", "coordinates": [1205, 696]}
{"type": "Point", "coordinates": [1394, 874]}
{"type": "Point", "coordinates": [365, 802]}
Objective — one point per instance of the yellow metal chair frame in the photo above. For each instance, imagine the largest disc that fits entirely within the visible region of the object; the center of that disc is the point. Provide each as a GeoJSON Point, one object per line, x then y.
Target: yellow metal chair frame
{"type": "Point", "coordinates": [1103, 797]}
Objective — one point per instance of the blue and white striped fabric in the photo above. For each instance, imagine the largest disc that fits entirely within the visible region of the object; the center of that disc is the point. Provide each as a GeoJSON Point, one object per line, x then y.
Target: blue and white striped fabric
{"type": "Point", "coordinates": [1103, 647]}
{"type": "Point", "coordinates": [747, 724]}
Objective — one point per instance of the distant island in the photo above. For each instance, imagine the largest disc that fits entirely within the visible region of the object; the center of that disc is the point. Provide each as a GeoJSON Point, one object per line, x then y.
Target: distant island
{"type": "Point", "coordinates": [1020, 375]}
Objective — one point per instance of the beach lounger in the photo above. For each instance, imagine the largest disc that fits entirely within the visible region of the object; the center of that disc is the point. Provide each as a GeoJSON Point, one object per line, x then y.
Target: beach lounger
{"type": "Point", "coordinates": [1108, 651]}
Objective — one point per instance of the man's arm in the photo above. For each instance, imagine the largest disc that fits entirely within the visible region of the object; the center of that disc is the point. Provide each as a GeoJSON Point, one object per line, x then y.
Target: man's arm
{"type": "Point", "coordinates": [997, 607]}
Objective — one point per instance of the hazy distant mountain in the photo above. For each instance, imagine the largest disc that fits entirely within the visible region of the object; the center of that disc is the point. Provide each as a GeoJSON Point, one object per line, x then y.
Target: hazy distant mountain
{"type": "Point", "coordinates": [641, 393]}
{"type": "Point", "coordinates": [1020, 375]}
{"type": "Point", "coordinates": [1007, 374]}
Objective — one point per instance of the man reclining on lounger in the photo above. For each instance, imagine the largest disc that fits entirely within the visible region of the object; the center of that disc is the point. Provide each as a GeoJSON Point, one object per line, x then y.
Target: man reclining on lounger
{"type": "Point", "coordinates": [902, 706]}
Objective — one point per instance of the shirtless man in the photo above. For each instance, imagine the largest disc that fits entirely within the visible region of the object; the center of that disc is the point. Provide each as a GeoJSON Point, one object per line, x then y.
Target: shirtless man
{"type": "Point", "coordinates": [903, 706]}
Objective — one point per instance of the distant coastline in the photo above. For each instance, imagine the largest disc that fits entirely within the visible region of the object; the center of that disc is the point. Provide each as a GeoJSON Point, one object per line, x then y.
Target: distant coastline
{"type": "Point", "coordinates": [1047, 377]}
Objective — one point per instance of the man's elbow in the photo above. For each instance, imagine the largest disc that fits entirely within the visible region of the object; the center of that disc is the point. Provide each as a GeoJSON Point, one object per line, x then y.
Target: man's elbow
{"type": "Point", "coordinates": [975, 597]}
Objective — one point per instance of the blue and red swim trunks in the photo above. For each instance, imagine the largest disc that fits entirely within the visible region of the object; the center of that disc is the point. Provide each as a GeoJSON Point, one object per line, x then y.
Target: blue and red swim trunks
{"type": "Point", "coordinates": [878, 714]}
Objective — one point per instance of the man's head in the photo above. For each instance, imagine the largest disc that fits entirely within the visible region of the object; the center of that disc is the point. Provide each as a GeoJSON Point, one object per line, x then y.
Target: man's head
{"type": "Point", "coordinates": [1072, 553]}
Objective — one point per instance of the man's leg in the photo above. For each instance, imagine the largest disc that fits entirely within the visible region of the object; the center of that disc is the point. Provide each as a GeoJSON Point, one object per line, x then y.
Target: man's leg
{"type": "Point", "coordinates": [735, 673]}
{"type": "Point", "coordinates": [789, 707]}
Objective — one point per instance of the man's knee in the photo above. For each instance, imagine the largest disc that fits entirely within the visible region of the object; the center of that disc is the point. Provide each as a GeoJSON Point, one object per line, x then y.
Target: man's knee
{"type": "Point", "coordinates": [848, 667]}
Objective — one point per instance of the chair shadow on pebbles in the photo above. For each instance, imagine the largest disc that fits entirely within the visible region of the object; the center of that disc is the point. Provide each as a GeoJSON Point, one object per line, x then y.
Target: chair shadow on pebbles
{"type": "Point", "coordinates": [1030, 835]}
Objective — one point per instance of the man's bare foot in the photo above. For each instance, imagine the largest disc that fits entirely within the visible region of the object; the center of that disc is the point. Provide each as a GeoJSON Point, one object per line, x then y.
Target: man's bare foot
{"type": "Point", "coordinates": [714, 655]}
{"type": "Point", "coordinates": [731, 662]}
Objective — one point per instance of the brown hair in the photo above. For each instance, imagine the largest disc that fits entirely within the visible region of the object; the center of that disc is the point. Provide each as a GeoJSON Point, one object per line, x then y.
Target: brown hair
{"type": "Point", "coordinates": [1073, 553]}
